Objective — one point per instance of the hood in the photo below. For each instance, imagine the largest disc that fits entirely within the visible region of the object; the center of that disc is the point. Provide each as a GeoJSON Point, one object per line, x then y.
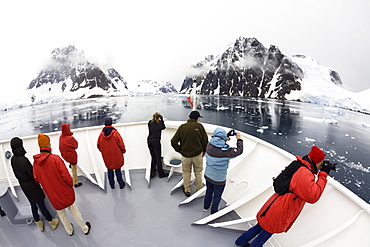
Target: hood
{"type": "Point", "coordinates": [312, 166]}
{"type": "Point", "coordinates": [66, 130]}
{"type": "Point", "coordinates": [108, 130]}
{"type": "Point", "coordinates": [218, 139]}
{"type": "Point", "coordinates": [17, 147]}
{"type": "Point", "coordinates": [39, 159]}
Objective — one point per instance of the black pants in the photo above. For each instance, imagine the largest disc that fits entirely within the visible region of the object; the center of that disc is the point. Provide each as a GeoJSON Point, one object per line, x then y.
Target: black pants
{"type": "Point", "coordinates": [154, 145]}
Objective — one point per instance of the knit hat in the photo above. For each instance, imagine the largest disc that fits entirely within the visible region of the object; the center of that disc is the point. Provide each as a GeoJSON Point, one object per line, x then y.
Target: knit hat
{"type": "Point", "coordinates": [44, 141]}
{"type": "Point", "coordinates": [194, 115]}
{"type": "Point", "coordinates": [316, 155]}
{"type": "Point", "coordinates": [108, 121]}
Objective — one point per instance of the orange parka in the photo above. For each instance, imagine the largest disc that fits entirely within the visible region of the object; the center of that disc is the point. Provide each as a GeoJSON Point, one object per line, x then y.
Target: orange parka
{"type": "Point", "coordinates": [112, 148]}
{"type": "Point", "coordinates": [286, 208]}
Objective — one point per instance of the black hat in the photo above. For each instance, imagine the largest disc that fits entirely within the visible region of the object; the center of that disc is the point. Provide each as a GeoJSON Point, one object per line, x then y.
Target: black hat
{"type": "Point", "coordinates": [108, 121]}
{"type": "Point", "coordinates": [194, 115]}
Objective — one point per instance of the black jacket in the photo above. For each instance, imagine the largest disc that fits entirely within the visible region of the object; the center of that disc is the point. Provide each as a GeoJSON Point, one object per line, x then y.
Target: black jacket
{"type": "Point", "coordinates": [22, 169]}
{"type": "Point", "coordinates": [155, 129]}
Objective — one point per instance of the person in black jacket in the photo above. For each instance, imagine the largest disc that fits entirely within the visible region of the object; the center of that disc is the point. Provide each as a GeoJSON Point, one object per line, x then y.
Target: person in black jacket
{"type": "Point", "coordinates": [156, 125]}
{"type": "Point", "coordinates": [23, 171]}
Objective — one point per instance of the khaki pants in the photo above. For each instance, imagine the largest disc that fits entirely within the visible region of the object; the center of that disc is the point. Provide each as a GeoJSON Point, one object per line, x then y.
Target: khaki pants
{"type": "Point", "coordinates": [187, 164]}
{"type": "Point", "coordinates": [74, 174]}
{"type": "Point", "coordinates": [76, 215]}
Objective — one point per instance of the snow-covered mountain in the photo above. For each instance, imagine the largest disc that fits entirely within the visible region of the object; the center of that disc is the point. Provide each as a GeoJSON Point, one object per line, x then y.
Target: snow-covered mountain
{"type": "Point", "coordinates": [249, 69]}
{"type": "Point", "coordinates": [149, 87]}
{"type": "Point", "coordinates": [246, 68]}
{"type": "Point", "coordinates": [71, 75]}
{"type": "Point", "coordinates": [319, 86]}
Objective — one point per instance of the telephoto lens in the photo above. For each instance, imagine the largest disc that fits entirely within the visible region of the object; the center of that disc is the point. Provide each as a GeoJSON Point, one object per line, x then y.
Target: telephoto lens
{"type": "Point", "coordinates": [332, 166]}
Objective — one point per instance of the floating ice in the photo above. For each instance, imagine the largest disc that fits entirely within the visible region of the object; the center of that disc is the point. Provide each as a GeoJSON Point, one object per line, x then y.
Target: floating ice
{"type": "Point", "coordinates": [366, 125]}
{"type": "Point", "coordinates": [222, 108]}
{"type": "Point", "coordinates": [321, 120]}
{"type": "Point", "coordinates": [260, 131]}
{"type": "Point", "coordinates": [310, 139]}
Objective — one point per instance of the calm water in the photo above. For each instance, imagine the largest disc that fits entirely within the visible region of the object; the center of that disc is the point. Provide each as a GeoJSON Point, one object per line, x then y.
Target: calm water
{"type": "Point", "coordinates": [292, 126]}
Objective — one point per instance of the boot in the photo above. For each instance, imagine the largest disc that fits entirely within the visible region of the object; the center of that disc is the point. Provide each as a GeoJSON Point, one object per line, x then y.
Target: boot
{"type": "Point", "coordinates": [54, 223]}
{"type": "Point", "coordinates": [2, 213]}
{"type": "Point", "coordinates": [40, 224]}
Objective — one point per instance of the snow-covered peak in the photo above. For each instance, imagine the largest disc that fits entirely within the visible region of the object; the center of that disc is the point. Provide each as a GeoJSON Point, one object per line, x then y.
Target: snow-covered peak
{"type": "Point", "coordinates": [319, 86]}
{"type": "Point", "coordinates": [150, 87]}
{"type": "Point", "coordinates": [70, 75]}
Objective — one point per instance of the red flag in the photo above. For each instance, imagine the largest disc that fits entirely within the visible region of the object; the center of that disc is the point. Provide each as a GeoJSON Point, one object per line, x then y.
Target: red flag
{"type": "Point", "coordinates": [190, 102]}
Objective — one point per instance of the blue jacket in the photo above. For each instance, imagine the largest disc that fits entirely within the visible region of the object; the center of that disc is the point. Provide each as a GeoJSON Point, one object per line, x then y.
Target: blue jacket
{"type": "Point", "coordinates": [218, 156]}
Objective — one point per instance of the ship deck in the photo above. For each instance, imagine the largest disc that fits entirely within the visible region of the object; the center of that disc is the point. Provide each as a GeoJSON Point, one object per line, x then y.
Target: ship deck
{"type": "Point", "coordinates": [137, 216]}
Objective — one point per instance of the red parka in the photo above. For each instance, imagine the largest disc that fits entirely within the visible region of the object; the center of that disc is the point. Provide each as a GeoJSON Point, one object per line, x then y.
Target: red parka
{"type": "Point", "coordinates": [112, 148]}
{"type": "Point", "coordinates": [285, 210]}
{"type": "Point", "coordinates": [68, 145]}
{"type": "Point", "coordinates": [51, 172]}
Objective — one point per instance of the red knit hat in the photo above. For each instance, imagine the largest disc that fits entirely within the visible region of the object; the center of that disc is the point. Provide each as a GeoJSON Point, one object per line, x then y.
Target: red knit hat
{"type": "Point", "coordinates": [316, 155]}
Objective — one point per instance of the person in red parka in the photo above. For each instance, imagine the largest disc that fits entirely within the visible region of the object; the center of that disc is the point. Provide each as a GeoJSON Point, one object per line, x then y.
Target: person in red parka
{"type": "Point", "coordinates": [67, 147]}
{"type": "Point", "coordinates": [112, 148]}
{"type": "Point", "coordinates": [50, 171]}
{"type": "Point", "coordinates": [279, 213]}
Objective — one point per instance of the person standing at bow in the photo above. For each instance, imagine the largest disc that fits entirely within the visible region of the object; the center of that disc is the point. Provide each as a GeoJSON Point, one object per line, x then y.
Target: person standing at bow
{"type": "Point", "coordinates": [191, 140]}
{"type": "Point", "coordinates": [155, 126]}
{"type": "Point", "coordinates": [67, 147]}
{"type": "Point", "coordinates": [112, 148]}
{"type": "Point", "coordinates": [280, 212]}
{"type": "Point", "coordinates": [218, 158]}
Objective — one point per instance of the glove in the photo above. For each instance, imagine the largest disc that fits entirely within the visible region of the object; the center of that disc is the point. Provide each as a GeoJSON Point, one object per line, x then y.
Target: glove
{"type": "Point", "coordinates": [231, 133]}
{"type": "Point", "coordinates": [325, 169]}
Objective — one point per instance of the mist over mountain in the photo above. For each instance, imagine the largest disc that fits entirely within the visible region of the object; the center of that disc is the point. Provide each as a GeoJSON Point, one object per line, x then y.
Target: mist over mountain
{"type": "Point", "coordinates": [71, 74]}
{"type": "Point", "coordinates": [150, 87]}
{"type": "Point", "coordinates": [248, 68]}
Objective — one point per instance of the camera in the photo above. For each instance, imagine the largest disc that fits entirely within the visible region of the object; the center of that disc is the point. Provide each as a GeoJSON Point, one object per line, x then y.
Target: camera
{"type": "Point", "coordinates": [332, 166]}
{"type": "Point", "coordinates": [231, 133]}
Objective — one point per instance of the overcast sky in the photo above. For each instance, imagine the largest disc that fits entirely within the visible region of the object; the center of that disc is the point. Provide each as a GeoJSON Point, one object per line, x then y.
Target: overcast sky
{"type": "Point", "coordinates": [160, 39]}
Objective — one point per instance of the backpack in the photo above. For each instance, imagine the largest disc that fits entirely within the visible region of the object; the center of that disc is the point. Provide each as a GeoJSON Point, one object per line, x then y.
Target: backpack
{"type": "Point", "coordinates": [282, 181]}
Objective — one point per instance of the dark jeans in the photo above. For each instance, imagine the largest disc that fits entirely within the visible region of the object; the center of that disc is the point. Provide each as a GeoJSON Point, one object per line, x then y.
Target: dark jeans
{"type": "Point", "coordinates": [43, 210]}
{"type": "Point", "coordinates": [154, 145]}
{"type": "Point", "coordinates": [213, 191]}
{"type": "Point", "coordinates": [262, 237]}
{"type": "Point", "coordinates": [118, 175]}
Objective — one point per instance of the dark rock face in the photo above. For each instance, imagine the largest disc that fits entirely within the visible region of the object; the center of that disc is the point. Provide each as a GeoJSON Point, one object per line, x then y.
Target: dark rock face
{"type": "Point", "coordinates": [335, 78]}
{"type": "Point", "coordinates": [69, 63]}
{"type": "Point", "coordinates": [247, 69]}
{"type": "Point", "coordinates": [167, 88]}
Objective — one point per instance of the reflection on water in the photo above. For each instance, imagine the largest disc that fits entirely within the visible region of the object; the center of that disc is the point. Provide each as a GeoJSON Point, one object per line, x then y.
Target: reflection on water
{"type": "Point", "coordinates": [292, 126]}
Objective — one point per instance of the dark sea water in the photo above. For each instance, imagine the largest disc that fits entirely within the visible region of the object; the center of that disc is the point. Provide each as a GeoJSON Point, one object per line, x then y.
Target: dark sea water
{"type": "Point", "coordinates": [292, 126]}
